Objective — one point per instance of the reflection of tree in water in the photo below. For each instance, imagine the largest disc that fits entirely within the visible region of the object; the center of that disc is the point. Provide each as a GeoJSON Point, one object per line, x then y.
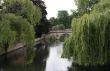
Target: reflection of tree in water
{"type": "Point", "coordinates": [2, 61]}
{"type": "Point", "coordinates": [39, 61]}
{"type": "Point", "coordinates": [41, 55]}
{"type": "Point", "coordinates": [15, 61]}
{"type": "Point", "coordinates": [89, 68]}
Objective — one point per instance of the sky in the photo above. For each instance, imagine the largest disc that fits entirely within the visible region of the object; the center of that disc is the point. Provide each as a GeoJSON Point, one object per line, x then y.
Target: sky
{"type": "Point", "coordinates": [53, 6]}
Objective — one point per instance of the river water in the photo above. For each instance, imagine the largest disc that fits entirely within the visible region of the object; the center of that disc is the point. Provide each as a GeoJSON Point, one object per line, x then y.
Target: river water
{"type": "Point", "coordinates": [54, 61]}
{"type": "Point", "coordinates": [47, 58]}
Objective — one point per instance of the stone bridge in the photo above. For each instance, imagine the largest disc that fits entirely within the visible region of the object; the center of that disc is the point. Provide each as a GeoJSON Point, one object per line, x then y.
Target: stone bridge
{"type": "Point", "coordinates": [60, 33]}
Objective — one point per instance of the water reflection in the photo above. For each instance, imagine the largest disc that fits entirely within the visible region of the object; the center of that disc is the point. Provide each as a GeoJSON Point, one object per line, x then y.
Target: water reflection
{"type": "Point", "coordinates": [14, 62]}
{"type": "Point", "coordinates": [40, 58]}
{"type": "Point", "coordinates": [55, 62]}
{"type": "Point", "coordinates": [46, 58]}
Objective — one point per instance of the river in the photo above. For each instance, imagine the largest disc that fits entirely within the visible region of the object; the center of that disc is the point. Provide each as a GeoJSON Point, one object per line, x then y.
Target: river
{"type": "Point", "coordinates": [45, 59]}
{"type": "Point", "coordinates": [54, 61]}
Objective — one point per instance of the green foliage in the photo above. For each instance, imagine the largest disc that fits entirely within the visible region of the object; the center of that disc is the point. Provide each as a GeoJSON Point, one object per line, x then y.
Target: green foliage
{"type": "Point", "coordinates": [62, 18]}
{"type": "Point", "coordinates": [85, 6]}
{"type": "Point", "coordinates": [89, 42]}
{"type": "Point", "coordinates": [15, 29]}
{"type": "Point", "coordinates": [102, 6]}
{"type": "Point", "coordinates": [58, 27]}
{"type": "Point", "coordinates": [44, 26]}
{"type": "Point", "coordinates": [24, 8]}
{"type": "Point", "coordinates": [68, 47]}
{"type": "Point", "coordinates": [17, 22]}
{"type": "Point", "coordinates": [53, 21]}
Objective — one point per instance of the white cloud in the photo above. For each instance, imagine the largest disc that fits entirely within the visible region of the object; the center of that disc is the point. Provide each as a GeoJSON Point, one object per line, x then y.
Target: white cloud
{"type": "Point", "coordinates": [54, 5]}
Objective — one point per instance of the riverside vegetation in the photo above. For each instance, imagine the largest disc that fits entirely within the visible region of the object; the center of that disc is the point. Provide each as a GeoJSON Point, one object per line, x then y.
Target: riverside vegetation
{"type": "Point", "coordinates": [89, 44]}
{"type": "Point", "coordinates": [17, 21]}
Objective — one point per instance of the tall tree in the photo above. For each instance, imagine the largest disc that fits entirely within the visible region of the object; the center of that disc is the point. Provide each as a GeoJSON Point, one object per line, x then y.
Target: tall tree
{"type": "Point", "coordinates": [53, 21]}
{"type": "Point", "coordinates": [14, 29]}
{"type": "Point", "coordinates": [89, 42]}
{"type": "Point", "coordinates": [63, 18]}
{"type": "Point", "coordinates": [43, 27]}
{"type": "Point", "coordinates": [17, 22]}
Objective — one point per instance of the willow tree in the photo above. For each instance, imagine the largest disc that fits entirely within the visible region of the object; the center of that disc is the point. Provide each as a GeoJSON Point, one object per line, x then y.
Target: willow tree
{"type": "Point", "coordinates": [14, 29]}
{"type": "Point", "coordinates": [17, 22]}
{"type": "Point", "coordinates": [89, 43]}
{"type": "Point", "coordinates": [24, 8]}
